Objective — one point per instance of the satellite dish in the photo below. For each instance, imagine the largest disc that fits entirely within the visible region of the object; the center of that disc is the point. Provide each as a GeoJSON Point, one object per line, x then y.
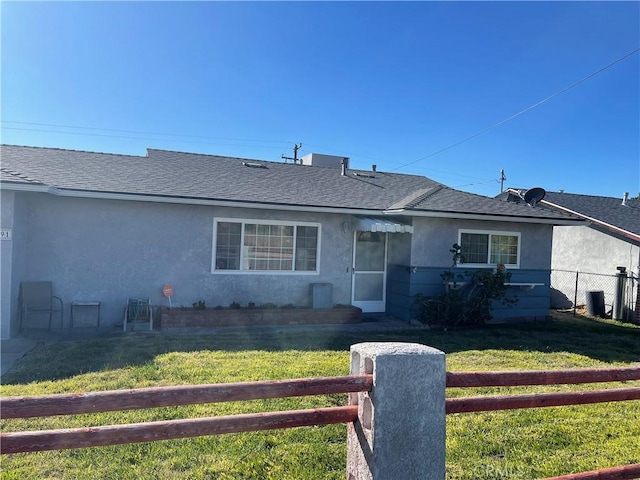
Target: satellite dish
{"type": "Point", "coordinates": [534, 195]}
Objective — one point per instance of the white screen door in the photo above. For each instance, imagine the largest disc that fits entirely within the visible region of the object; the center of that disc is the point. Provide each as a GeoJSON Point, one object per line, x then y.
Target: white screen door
{"type": "Point", "coordinates": [369, 277]}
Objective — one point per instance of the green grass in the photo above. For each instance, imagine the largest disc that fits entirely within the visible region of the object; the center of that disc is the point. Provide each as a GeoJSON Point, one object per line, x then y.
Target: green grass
{"type": "Point", "coordinates": [521, 444]}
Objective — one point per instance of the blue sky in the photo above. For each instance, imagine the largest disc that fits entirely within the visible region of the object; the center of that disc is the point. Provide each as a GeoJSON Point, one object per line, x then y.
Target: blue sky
{"type": "Point", "coordinates": [385, 83]}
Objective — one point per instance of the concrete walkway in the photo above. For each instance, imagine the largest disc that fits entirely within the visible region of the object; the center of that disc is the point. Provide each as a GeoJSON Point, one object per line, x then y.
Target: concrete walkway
{"type": "Point", "coordinates": [13, 349]}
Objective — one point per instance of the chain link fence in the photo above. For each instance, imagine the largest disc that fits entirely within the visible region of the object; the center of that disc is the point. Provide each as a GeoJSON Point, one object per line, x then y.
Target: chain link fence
{"type": "Point", "coordinates": [595, 294]}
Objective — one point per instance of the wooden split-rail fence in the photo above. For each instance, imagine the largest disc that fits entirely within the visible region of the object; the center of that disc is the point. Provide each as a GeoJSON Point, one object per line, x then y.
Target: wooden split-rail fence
{"type": "Point", "coordinates": [142, 398]}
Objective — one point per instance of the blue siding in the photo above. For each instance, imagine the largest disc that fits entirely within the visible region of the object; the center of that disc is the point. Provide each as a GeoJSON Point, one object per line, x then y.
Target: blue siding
{"type": "Point", "coordinates": [531, 303]}
{"type": "Point", "coordinates": [404, 283]}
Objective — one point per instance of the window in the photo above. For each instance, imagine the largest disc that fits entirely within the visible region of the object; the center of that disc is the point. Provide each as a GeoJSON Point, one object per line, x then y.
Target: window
{"type": "Point", "coordinates": [489, 248]}
{"type": "Point", "coordinates": [265, 246]}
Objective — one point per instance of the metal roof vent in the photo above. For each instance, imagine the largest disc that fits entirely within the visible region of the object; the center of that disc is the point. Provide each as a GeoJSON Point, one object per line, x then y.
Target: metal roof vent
{"type": "Point", "coordinates": [254, 165]}
{"type": "Point", "coordinates": [625, 197]}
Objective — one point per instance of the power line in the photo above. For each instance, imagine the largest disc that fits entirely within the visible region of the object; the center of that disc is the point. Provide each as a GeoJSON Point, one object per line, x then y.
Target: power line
{"type": "Point", "coordinates": [138, 132]}
{"type": "Point", "coordinates": [140, 138]}
{"type": "Point", "coordinates": [128, 137]}
{"type": "Point", "coordinates": [282, 141]}
{"type": "Point", "coordinates": [477, 183]}
{"type": "Point", "coordinates": [521, 111]}
{"type": "Point", "coordinates": [391, 162]}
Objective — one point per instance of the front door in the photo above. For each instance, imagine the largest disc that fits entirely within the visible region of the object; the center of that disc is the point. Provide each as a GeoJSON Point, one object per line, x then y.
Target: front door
{"type": "Point", "coordinates": [369, 279]}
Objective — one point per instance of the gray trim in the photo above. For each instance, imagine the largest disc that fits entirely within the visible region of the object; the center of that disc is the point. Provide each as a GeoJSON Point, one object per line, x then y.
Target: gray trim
{"type": "Point", "coordinates": [482, 216]}
{"type": "Point", "coordinates": [26, 187]}
{"type": "Point", "coordinates": [295, 208]}
{"type": "Point", "coordinates": [618, 230]}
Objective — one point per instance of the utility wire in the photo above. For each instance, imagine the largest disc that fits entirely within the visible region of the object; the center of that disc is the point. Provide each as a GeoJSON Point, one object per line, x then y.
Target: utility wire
{"type": "Point", "coordinates": [132, 132]}
{"type": "Point", "coordinates": [387, 161]}
{"type": "Point", "coordinates": [139, 138]}
{"type": "Point", "coordinates": [521, 111]}
{"type": "Point", "coordinates": [477, 183]}
{"type": "Point", "coordinates": [280, 142]}
{"type": "Point", "coordinates": [92, 134]}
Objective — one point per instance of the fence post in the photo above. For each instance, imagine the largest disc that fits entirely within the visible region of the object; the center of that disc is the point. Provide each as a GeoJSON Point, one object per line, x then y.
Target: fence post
{"type": "Point", "coordinates": [400, 431]}
{"type": "Point", "coordinates": [575, 295]}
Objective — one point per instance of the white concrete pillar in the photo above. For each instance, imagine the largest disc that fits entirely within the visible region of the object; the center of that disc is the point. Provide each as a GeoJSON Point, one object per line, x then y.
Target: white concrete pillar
{"type": "Point", "coordinates": [400, 432]}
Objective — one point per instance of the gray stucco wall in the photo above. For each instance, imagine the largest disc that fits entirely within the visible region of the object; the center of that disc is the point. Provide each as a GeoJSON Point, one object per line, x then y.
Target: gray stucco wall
{"type": "Point", "coordinates": [596, 255]}
{"type": "Point", "coordinates": [6, 261]}
{"type": "Point", "coordinates": [111, 250]}
{"type": "Point", "coordinates": [433, 238]}
{"type": "Point", "coordinates": [585, 249]}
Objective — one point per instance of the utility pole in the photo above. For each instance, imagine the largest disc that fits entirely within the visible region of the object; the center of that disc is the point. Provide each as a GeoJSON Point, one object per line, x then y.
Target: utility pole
{"type": "Point", "coordinates": [502, 179]}
{"type": "Point", "coordinates": [296, 147]}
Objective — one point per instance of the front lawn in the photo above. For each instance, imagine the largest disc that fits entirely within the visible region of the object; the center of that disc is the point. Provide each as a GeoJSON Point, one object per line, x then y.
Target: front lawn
{"type": "Point", "coordinates": [522, 444]}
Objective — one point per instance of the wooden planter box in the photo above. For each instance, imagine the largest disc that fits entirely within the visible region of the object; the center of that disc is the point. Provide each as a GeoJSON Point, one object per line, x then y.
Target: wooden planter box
{"type": "Point", "coordinates": [227, 317]}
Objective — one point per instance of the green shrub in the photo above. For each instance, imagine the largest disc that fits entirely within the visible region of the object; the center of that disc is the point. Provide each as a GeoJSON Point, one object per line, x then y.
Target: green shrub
{"type": "Point", "coordinates": [468, 296]}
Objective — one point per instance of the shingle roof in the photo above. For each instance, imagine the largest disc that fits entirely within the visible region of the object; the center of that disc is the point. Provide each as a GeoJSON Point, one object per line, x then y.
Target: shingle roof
{"type": "Point", "coordinates": [609, 210]}
{"type": "Point", "coordinates": [454, 201]}
{"type": "Point", "coordinates": [10, 176]}
{"type": "Point", "coordinates": [211, 177]}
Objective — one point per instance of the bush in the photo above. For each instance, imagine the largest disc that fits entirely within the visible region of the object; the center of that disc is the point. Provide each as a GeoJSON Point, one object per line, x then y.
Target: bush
{"type": "Point", "coordinates": [467, 301]}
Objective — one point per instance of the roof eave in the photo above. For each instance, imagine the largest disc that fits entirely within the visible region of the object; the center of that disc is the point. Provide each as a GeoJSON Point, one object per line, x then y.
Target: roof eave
{"type": "Point", "coordinates": [208, 201]}
{"type": "Point", "coordinates": [285, 207]}
{"type": "Point", "coordinates": [487, 216]}
{"type": "Point", "coordinates": [25, 187]}
{"type": "Point", "coordinates": [619, 231]}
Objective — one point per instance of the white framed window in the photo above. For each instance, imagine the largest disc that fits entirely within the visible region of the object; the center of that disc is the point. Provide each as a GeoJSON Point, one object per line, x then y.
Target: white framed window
{"type": "Point", "coordinates": [483, 248]}
{"type": "Point", "coordinates": [265, 246]}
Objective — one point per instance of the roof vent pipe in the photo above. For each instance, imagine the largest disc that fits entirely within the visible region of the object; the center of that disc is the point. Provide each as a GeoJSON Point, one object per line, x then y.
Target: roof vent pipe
{"type": "Point", "coordinates": [625, 197]}
{"type": "Point", "coordinates": [344, 167]}
{"type": "Point", "coordinates": [373, 167]}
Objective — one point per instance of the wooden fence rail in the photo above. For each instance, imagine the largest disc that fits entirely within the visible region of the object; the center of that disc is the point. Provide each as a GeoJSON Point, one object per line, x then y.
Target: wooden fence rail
{"type": "Point", "coordinates": [626, 472]}
{"type": "Point", "coordinates": [541, 377]}
{"type": "Point", "coordinates": [548, 377]}
{"type": "Point", "coordinates": [36, 441]}
{"type": "Point", "coordinates": [95, 402]}
{"type": "Point", "coordinates": [537, 400]}
{"type": "Point", "coordinates": [116, 400]}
